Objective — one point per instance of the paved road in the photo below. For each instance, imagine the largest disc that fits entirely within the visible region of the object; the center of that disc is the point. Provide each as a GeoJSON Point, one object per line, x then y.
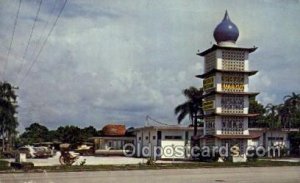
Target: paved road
{"type": "Point", "coordinates": [206, 175]}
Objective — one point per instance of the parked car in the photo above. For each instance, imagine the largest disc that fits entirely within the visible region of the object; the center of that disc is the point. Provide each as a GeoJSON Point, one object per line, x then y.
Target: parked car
{"type": "Point", "coordinates": [28, 150]}
{"type": "Point", "coordinates": [50, 147]}
{"type": "Point", "coordinates": [85, 150]}
{"type": "Point", "coordinates": [35, 152]}
{"type": "Point", "coordinates": [42, 152]}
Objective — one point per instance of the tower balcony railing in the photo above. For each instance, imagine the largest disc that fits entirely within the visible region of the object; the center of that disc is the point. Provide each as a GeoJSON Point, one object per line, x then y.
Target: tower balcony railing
{"type": "Point", "coordinates": [233, 111]}
{"type": "Point", "coordinates": [210, 131]}
{"type": "Point", "coordinates": [233, 88]}
{"type": "Point", "coordinates": [232, 131]}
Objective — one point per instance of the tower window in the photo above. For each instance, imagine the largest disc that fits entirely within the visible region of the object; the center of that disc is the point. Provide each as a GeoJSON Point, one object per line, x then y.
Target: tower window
{"type": "Point", "coordinates": [232, 104]}
{"type": "Point", "coordinates": [233, 55]}
{"type": "Point", "coordinates": [233, 60]}
{"type": "Point", "coordinates": [232, 125]}
{"type": "Point", "coordinates": [210, 61]}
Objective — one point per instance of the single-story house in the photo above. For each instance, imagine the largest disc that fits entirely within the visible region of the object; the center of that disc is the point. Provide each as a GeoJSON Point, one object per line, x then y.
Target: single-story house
{"type": "Point", "coordinates": [160, 142]}
{"type": "Point", "coordinates": [152, 140]}
{"type": "Point", "coordinates": [271, 137]}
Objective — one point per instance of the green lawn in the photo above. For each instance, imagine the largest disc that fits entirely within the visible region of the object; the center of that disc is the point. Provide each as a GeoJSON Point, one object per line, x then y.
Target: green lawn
{"type": "Point", "coordinates": [188, 165]}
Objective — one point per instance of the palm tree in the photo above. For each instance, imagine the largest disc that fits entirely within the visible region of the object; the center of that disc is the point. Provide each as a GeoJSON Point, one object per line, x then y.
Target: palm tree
{"type": "Point", "coordinates": [292, 102]}
{"type": "Point", "coordinates": [272, 118]}
{"type": "Point", "coordinates": [283, 114]}
{"type": "Point", "coordinates": [191, 108]}
{"type": "Point", "coordinates": [293, 99]}
{"type": "Point", "coordinates": [272, 115]}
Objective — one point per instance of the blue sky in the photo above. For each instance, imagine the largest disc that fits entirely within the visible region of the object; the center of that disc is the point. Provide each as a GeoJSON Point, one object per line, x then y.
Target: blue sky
{"type": "Point", "coordinates": [119, 61]}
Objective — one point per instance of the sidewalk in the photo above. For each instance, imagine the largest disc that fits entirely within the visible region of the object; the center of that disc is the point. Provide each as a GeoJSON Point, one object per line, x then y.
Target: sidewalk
{"type": "Point", "coordinates": [95, 160]}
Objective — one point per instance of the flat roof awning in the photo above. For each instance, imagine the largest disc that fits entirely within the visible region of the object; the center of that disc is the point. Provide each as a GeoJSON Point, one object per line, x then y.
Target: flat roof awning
{"type": "Point", "coordinates": [167, 127]}
{"type": "Point", "coordinates": [237, 136]}
{"type": "Point", "coordinates": [113, 138]}
{"type": "Point", "coordinates": [229, 115]}
{"type": "Point", "coordinates": [252, 135]}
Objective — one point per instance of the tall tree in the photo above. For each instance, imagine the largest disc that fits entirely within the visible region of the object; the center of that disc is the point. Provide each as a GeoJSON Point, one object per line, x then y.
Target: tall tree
{"type": "Point", "coordinates": [34, 133]}
{"type": "Point", "coordinates": [88, 132]}
{"type": "Point", "coordinates": [8, 120]}
{"type": "Point", "coordinates": [284, 115]}
{"type": "Point", "coordinates": [192, 107]}
{"type": "Point", "coordinates": [272, 116]}
{"type": "Point", "coordinates": [293, 100]}
{"type": "Point", "coordinates": [292, 103]}
{"type": "Point", "coordinates": [70, 134]}
{"type": "Point", "coordinates": [256, 108]}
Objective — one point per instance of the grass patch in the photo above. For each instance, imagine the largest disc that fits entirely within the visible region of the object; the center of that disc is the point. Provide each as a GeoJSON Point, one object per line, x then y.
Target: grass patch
{"type": "Point", "coordinates": [4, 165]}
{"type": "Point", "coordinates": [157, 166]}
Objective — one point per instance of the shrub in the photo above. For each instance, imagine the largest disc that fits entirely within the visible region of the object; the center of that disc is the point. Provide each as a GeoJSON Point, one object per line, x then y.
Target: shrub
{"type": "Point", "coordinates": [23, 165]}
{"type": "Point", "coordinates": [212, 157]}
{"type": "Point", "coordinates": [254, 157]}
{"type": "Point", "coordinates": [150, 161]}
{"type": "Point", "coordinates": [82, 162]}
{"type": "Point", "coordinates": [4, 165]}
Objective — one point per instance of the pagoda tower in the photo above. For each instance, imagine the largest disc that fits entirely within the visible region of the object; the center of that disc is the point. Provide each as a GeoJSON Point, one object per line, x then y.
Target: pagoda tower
{"type": "Point", "coordinates": [226, 91]}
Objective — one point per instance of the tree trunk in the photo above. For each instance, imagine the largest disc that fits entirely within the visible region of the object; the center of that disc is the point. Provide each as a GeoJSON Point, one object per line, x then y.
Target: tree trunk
{"type": "Point", "coordinates": [194, 142]}
{"type": "Point", "coordinates": [3, 136]}
{"type": "Point", "coordinates": [195, 126]}
{"type": "Point", "coordinates": [2, 142]}
{"type": "Point", "coordinates": [9, 141]}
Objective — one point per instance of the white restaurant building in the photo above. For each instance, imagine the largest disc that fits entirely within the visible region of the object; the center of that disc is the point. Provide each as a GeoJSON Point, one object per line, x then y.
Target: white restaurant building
{"type": "Point", "coordinates": [172, 136]}
{"type": "Point", "coordinates": [164, 137]}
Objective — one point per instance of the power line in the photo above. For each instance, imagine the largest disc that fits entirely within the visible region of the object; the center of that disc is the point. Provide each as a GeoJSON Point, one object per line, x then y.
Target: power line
{"type": "Point", "coordinates": [45, 26]}
{"type": "Point", "coordinates": [12, 39]}
{"type": "Point", "coordinates": [30, 36]}
{"type": "Point", "coordinates": [44, 43]}
{"type": "Point", "coordinates": [148, 117]}
{"type": "Point", "coordinates": [41, 36]}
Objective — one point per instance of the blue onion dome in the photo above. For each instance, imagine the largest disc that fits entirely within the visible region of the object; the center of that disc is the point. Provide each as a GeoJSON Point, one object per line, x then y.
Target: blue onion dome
{"type": "Point", "coordinates": [226, 31]}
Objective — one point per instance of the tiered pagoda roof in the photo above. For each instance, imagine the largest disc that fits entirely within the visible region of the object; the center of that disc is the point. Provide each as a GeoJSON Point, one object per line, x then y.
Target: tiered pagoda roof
{"type": "Point", "coordinates": [230, 115]}
{"type": "Point", "coordinates": [250, 73]}
{"type": "Point", "coordinates": [215, 47]}
{"type": "Point", "coordinates": [231, 93]}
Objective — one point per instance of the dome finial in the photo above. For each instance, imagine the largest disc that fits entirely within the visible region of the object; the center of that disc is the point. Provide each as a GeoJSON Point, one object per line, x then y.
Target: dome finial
{"type": "Point", "coordinates": [226, 31]}
{"type": "Point", "coordinates": [226, 16]}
